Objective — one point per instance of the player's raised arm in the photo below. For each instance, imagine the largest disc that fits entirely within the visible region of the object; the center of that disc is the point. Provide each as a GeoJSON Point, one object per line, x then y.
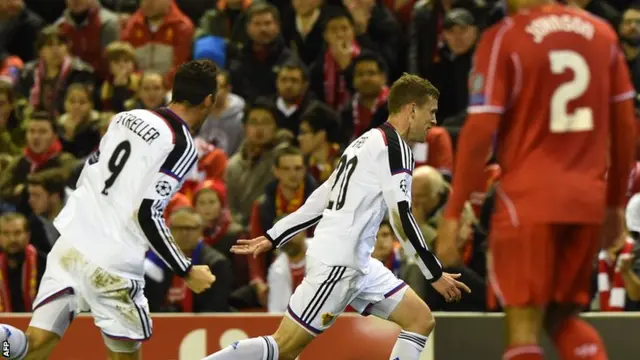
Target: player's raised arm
{"type": "Point", "coordinates": [305, 217]}
{"type": "Point", "coordinates": [395, 164]}
{"type": "Point", "coordinates": [150, 214]}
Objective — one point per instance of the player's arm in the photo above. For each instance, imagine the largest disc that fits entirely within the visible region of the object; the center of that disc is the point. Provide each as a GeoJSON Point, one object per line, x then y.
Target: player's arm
{"type": "Point", "coordinates": [150, 213]}
{"type": "Point", "coordinates": [489, 92]}
{"type": "Point", "coordinates": [305, 217]}
{"type": "Point", "coordinates": [622, 131]}
{"type": "Point", "coordinates": [394, 173]}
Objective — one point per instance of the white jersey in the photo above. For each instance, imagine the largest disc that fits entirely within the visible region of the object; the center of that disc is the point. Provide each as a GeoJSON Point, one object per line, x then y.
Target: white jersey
{"type": "Point", "coordinates": [116, 211]}
{"type": "Point", "coordinates": [372, 176]}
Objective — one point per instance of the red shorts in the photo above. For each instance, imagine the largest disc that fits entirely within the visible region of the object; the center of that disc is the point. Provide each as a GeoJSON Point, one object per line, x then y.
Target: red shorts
{"type": "Point", "coordinates": [538, 264]}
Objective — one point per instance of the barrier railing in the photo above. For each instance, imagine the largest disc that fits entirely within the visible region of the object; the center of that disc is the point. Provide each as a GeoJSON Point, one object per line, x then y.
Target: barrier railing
{"type": "Point", "coordinates": [458, 336]}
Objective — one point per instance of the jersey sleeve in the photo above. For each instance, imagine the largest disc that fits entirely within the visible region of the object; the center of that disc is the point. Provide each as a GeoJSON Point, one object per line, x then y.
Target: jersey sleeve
{"type": "Point", "coordinates": [166, 182]}
{"type": "Point", "coordinates": [621, 86]}
{"type": "Point", "coordinates": [395, 163]}
{"type": "Point", "coordinates": [489, 77]}
{"type": "Point", "coordinates": [305, 217]}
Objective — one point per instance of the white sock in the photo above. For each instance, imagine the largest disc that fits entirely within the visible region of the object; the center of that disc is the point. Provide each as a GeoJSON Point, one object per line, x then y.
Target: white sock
{"type": "Point", "coordinates": [13, 342]}
{"type": "Point", "coordinates": [260, 348]}
{"type": "Point", "coordinates": [408, 346]}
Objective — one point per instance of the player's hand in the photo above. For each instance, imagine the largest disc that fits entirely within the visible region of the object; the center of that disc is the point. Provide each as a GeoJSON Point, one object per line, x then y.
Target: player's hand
{"type": "Point", "coordinates": [199, 278]}
{"type": "Point", "coordinates": [446, 243]}
{"type": "Point", "coordinates": [253, 246]}
{"type": "Point", "coordinates": [613, 227]}
{"type": "Point", "coordinates": [450, 288]}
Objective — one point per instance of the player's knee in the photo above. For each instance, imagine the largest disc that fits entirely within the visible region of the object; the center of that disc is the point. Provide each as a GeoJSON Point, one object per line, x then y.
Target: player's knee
{"type": "Point", "coordinates": [423, 324]}
{"type": "Point", "coordinates": [118, 349]}
{"type": "Point", "coordinates": [40, 340]}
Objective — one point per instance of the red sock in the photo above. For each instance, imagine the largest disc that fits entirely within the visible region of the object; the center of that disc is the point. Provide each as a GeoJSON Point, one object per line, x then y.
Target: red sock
{"type": "Point", "coordinates": [523, 352]}
{"type": "Point", "coordinates": [575, 339]}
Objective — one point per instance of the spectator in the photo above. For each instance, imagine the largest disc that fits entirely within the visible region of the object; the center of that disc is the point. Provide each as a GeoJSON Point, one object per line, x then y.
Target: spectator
{"type": "Point", "coordinates": [253, 73]}
{"type": "Point", "coordinates": [629, 31]}
{"type": "Point", "coordinates": [331, 73]}
{"type": "Point", "coordinates": [43, 158]}
{"type": "Point", "coordinates": [89, 28]}
{"type": "Point", "coordinates": [12, 132]}
{"type": "Point", "coordinates": [250, 169]}
{"type": "Point", "coordinates": [21, 266]}
{"type": "Point", "coordinates": [451, 72]}
{"type": "Point", "coordinates": [122, 82]}
{"type": "Point", "coordinates": [49, 10]}
{"type": "Point", "coordinates": [79, 126]}
{"type": "Point", "coordinates": [168, 292]}
{"type": "Point", "coordinates": [227, 21]}
{"type": "Point", "coordinates": [318, 139]}
{"type": "Point", "coordinates": [223, 127]}
{"type": "Point", "coordinates": [19, 29]}
{"type": "Point", "coordinates": [159, 32]}
{"type": "Point", "coordinates": [286, 273]}
{"type": "Point", "coordinates": [46, 199]}
{"type": "Point", "coordinates": [302, 28]}
{"type": "Point", "coordinates": [123, 9]}
{"type": "Point", "coordinates": [152, 92]}
{"type": "Point", "coordinates": [177, 201]}
{"type": "Point", "coordinates": [212, 164]}
{"type": "Point", "coordinates": [599, 8]}
{"type": "Point", "coordinates": [377, 30]}
{"type": "Point", "coordinates": [436, 151]}
{"type": "Point", "coordinates": [368, 107]}
{"type": "Point", "coordinates": [612, 293]}
{"type": "Point", "coordinates": [286, 194]}
{"type": "Point", "coordinates": [627, 268]}
{"type": "Point", "coordinates": [10, 67]}
{"type": "Point", "coordinates": [388, 249]}
{"type": "Point", "coordinates": [220, 231]}
{"type": "Point", "coordinates": [402, 10]}
{"type": "Point", "coordinates": [45, 80]}
{"type": "Point", "coordinates": [293, 96]}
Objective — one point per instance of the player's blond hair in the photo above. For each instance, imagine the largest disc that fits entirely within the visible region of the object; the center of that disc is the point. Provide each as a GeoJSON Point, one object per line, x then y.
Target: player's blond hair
{"type": "Point", "coordinates": [410, 89]}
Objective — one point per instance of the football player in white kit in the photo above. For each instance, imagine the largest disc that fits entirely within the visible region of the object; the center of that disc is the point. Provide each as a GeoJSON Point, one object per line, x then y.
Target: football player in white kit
{"type": "Point", "coordinates": [113, 217]}
{"type": "Point", "coordinates": [373, 177]}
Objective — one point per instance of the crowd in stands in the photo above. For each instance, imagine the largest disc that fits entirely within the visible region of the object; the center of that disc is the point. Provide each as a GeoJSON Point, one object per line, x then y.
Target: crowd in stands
{"type": "Point", "coordinates": [300, 80]}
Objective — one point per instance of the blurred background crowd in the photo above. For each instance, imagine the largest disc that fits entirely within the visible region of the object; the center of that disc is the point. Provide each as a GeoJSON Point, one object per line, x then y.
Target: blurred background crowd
{"type": "Point", "coordinates": [301, 79]}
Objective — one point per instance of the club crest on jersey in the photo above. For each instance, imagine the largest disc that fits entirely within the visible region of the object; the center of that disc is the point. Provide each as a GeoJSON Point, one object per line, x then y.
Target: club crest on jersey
{"type": "Point", "coordinates": [476, 89]}
{"type": "Point", "coordinates": [163, 188]}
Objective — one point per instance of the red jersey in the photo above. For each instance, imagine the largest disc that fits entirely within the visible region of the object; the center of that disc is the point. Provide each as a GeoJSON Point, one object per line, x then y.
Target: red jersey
{"type": "Point", "coordinates": [551, 72]}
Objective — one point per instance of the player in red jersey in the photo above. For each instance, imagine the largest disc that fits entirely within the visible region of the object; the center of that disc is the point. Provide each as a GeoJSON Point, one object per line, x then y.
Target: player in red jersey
{"type": "Point", "coordinates": [552, 83]}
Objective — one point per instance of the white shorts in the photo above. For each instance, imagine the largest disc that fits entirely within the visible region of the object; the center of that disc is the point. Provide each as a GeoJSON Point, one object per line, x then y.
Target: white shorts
{"type": "Point", "coordinates": [118, 305]}
{"type": "Point", "coordinates": [326, 291]}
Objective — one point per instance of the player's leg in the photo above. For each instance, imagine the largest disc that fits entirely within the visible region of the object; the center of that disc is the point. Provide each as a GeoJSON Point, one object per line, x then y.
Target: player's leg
{"type": "Point", "coordinates": [520, 269]}
{"type": "Point", "coordinates": [316, 303]}
{"type": "Point", "coordinates": [573, 337]}
{"type": "Point", "coordinates": [387, 297]}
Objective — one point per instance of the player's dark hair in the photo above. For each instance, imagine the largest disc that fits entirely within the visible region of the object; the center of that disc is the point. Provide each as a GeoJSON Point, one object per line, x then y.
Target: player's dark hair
{"type": "Point", "coordinates": [286, 151]}
{"type": "Point", "coordinates": [372, 57]}
{"type": "Point", "coordinates": [296, 64]}
{"type": "Point", "coordinates": [262, 7]}
{"type": "Point", "coordinates": [262, 103]}
{"type": "Point", "coordinates": [52, 185]}
{"type": "Point", "coordinates": [410, 89]}
{"type": "Point", "coordinates": [48, 35]}
{"type": "Point", "coordinates": [321, 117]}
{"type": "Point", "coordinates": [194, 82]}
{"type": "Point", "coordinates": [45, 116]}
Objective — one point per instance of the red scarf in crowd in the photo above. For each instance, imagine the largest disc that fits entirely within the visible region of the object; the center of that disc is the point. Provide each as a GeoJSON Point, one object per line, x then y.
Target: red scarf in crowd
{"type": "Point", "coordinates": [362, 120]}
{"type": "Point", "coordinates": [610, 282]}
{"type": "Point", "coordinates": [214, 233]}
{"type": "Point", "coordinates": [285, 207]}
{"type": "Point", "coordinates": [179, 293]}
{"type": "Point", "coordinates": [336, 98]}
{"type": "Point", "coordinates": [37, 160]}
{"type": "Point", "coordinates": [29, 280]}
{"type": "Point", "coordinates": [40, 75]}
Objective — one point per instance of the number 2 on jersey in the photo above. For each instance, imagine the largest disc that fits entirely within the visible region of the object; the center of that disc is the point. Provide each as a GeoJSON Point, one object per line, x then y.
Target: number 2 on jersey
{"type": "Point", "coordinates": [116, 164]}
{"type": "Point", "coordinates": [582, 117]}
{"type": "Point", "coordinates": [345, 170]}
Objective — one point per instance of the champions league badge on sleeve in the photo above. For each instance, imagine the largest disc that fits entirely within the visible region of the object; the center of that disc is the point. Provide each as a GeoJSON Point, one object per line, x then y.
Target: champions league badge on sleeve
{"type": "Point", "coordinates": [476, 89]}
{"type": "Point", "coordinates": [163, 188]}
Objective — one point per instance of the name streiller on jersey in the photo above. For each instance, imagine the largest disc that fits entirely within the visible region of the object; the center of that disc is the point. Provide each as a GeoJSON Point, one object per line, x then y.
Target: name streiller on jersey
{"type": "Point", "coordinates": [378, 180]}
{"type": "Point", "coordinates": [165, 153]}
